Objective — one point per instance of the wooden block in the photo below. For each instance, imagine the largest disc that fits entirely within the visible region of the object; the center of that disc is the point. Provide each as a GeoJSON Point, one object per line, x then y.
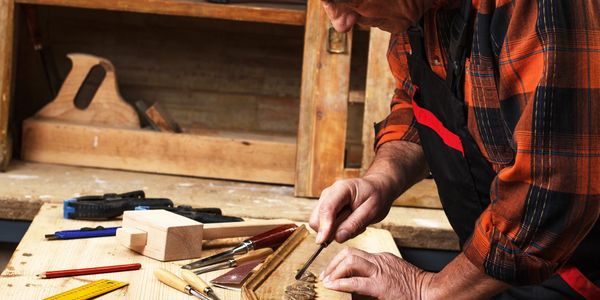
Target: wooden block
{"type": "Point", "coordinates": [132, 237]}
{"type": "Point", "coordinates": [168, 236]}
{"type": "Point", "coordinates": [259, 160]}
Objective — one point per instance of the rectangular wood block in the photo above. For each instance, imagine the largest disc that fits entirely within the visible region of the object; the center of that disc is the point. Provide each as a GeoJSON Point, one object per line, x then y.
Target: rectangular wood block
{"type": "Point", "coordinates": [168, 236]}
{"type": "Point", "coordinates": [239, 158]}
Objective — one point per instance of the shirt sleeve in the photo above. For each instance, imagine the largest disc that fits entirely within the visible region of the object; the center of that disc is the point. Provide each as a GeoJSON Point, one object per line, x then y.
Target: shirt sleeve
{"type": "Point", "coordinates": [548, 199]}
{"type": "Point", "coordinates": [400, 123]}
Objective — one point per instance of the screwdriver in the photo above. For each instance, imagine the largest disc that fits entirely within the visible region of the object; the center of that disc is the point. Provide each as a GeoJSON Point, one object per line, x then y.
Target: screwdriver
{"type": "Point", "coordinates": [341, 216]}
{"type": "Point", "coordinates": [250, 256]}
{"type": "Point", "coordinates": [198, 284]}
{"type": "Point", "coordinates": [271, 239]}
{"type": "Point", "coordinates": [177, 283]}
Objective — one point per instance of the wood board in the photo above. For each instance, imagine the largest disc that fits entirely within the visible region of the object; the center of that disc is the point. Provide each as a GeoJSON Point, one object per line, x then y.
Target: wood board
{"type": "Point", "coordinates": [159, 152]}
{"type": "Point", "coordinates": [35, 255]}
{"type": "Point", "coordinates": [278, 271]}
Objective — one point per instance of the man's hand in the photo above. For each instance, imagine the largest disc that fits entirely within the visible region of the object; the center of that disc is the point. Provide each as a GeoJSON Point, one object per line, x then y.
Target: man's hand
{"type": "Point", "coordinates": [366, 199]}
{"type": "Point", "coordinates": [381, 275]}
{"type": "Point", "coordinates": [397, 166]}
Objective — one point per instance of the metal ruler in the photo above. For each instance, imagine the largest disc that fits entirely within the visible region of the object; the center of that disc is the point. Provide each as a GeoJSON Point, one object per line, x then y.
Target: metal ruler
{"type": "Point", "coordinates": [90, 290]}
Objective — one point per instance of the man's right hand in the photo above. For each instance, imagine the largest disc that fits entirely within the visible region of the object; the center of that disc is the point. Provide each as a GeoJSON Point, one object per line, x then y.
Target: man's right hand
{"type": "Point", "coordinates": [396, 167]}
{"type": "Point", "coordinates": [364, 197]}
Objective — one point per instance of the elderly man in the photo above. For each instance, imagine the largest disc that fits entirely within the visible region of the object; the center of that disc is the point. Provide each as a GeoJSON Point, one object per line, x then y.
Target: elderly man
{"type": "Point", "coordinates": [500, 102]}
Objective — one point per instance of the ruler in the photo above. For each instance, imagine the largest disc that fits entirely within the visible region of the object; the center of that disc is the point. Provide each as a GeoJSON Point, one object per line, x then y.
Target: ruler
{"type": "Point", "coordinates": [90, 290]}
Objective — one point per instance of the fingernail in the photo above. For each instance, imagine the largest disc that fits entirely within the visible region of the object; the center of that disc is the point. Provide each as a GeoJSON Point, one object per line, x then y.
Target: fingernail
{"type": "Point", "coordinates": [343, 235]}
{"type": "Point", "coordinates": [321, 275]}
{"type": "Point", "coordinates": [319, 237]}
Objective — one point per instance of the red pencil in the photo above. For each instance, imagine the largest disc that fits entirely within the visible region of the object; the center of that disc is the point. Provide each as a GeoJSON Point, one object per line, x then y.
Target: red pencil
{"type": "Point", "coordinates": [88, 271]}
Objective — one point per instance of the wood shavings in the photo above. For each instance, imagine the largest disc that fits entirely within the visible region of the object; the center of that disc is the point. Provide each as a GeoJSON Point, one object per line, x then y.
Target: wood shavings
{"type": "Point", "coordinates": [302, 289]}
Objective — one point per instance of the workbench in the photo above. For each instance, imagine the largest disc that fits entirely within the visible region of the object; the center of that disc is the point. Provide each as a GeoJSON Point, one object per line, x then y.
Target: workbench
{"type": "Point", "coordinates": [26, 186]}
{"type": "Point", "coordinates": [35, 255]}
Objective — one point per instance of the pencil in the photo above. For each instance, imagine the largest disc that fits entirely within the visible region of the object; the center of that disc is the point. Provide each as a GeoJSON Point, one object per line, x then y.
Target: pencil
{"type": "Point", "coordinates": [88, 271]}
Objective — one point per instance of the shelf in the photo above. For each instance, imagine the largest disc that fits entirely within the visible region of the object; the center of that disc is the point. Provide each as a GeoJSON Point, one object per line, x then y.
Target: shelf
{"type": "Point", "coordinates": [269, 13]}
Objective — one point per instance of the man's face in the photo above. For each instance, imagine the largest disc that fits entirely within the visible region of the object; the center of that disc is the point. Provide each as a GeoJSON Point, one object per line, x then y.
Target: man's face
{"type": "Point", "coordinates": [389, 15]}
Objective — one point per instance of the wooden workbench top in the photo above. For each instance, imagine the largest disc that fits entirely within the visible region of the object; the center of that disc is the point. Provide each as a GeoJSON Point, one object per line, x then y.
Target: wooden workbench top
{"type": "Point", "coordinates": [26, 186]}
{"type": "Point", "coordinates": [35, 255]}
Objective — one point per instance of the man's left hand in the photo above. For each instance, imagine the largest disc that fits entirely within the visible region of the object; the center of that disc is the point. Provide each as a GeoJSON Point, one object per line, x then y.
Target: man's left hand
{"type": "Point", "coordinates": [381, 275]}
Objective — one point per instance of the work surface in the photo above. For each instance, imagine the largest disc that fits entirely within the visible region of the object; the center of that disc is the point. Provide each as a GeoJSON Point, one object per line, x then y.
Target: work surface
{"type": "Point", "coordinates": [35, 255]}
{"type": "Point", "coordinates": [26, 186]}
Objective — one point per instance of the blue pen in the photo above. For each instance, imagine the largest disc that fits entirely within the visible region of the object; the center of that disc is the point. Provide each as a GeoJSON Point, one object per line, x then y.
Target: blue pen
{"type": "Point", "coordinates": [86, 232]}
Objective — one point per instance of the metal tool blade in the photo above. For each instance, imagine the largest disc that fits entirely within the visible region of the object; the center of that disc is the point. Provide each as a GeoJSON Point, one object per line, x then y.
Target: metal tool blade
{"type": "Point", "coordinates": [310, 261]}
{"type": "Point", "coordinates": [223, 256]}
{"type": "Point", "coordinates": [217, 266]}
{"type": "Point", "coordinates": [198, 295]}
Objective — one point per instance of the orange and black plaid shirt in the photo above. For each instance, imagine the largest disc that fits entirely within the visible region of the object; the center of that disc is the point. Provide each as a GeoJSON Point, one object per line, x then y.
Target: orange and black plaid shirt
{"type": "Point", "coordinates": [532, 91]}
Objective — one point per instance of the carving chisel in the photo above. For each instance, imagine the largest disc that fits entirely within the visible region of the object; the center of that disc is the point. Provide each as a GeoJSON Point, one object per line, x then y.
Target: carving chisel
{"type": "Point", "coordinates": [269, 239]}
{"type": "Point", "coordinates": [177, 283]}
{"type": "Point", "coordinates": [341, 216]}
{"type": "Point", "coordinates": [198, 284]}
{"type": "Point", "coordinates": [234, 262]}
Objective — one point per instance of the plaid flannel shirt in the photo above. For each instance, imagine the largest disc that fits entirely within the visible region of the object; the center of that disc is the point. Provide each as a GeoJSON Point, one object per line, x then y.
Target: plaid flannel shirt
{"type": "Point", "coordinates": [532, 91]}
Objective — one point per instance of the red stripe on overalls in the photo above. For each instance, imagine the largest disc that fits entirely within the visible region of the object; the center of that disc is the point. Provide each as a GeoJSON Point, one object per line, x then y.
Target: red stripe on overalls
{"type": "Point", "coordinates": [427, 118]}
{"type": "Point", "coordinates": [579, 282]}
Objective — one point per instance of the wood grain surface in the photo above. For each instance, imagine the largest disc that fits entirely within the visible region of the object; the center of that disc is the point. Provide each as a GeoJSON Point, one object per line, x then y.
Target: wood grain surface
{"type": "Point", "coordinates": [7, 30]}
{"type": "Point", "coordinates": [323, 107]}
{"type": "Point", "coordinates": [159, 152]}
{"type": "Point", "coordinates": [280, 14]}
{"type": "Point", "coordinates": [35, 255]}
{"type": "Point", "coordinates": [25, 186]}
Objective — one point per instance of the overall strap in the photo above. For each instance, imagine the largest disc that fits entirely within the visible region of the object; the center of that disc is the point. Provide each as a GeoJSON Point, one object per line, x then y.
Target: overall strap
{"type": "Point", "coordinates": [457, 52]}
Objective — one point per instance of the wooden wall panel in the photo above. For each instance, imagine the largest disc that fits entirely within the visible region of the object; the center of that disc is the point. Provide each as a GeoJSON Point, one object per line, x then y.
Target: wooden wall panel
{"type": "Point", "coordinates": [323, 108]}
{"type": "Point", "coordinates": [7, 10]}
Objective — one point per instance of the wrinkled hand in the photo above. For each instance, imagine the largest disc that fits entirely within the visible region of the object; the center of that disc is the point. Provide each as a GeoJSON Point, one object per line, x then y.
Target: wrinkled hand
{"type": "Point", "coordinates": [381, 275]}
{"type": "Point", "coordinates": [367, 198]}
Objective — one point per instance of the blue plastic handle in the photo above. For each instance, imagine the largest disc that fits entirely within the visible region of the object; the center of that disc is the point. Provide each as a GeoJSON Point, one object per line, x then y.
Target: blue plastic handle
{"type": "Point", "coordinates": [76, 234]}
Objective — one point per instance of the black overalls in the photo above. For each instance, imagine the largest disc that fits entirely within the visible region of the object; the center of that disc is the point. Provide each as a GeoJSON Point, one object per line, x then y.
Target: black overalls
{"type": "Point", "coordinates": [462, 174]}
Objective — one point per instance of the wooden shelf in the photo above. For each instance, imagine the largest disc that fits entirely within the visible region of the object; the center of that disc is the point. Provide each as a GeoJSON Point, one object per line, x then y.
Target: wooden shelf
{"type": "Point", "coordinates": [269, 13]}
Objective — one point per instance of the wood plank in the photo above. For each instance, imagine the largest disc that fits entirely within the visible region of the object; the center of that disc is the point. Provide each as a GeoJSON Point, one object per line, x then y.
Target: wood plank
{"type": "Point", "coordinates": [378, 92]}
{"type": "Point", "coordinates": [158, 152]}
{"type": "Point", "coordinates": [323, 107]}
{"type": "Point", "coordinates": [7, 15]}
{"type": "Point", "coordinates": [25, 186]}
{"type": "Point", "coordinates": [278, 14]}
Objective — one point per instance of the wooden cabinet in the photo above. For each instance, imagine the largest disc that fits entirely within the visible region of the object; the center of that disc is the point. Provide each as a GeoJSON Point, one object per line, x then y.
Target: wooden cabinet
{"type": "Point", "coordinates": [316, 142]}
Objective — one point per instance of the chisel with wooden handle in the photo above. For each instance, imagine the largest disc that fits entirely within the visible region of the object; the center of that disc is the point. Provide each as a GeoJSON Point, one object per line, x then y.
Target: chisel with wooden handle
{"type": "Point", "coordinates": [269, 239]}
{"type": "Point", "coordinates": [177, 283]}
{"type": "Point", "coordinates": [234, 262]}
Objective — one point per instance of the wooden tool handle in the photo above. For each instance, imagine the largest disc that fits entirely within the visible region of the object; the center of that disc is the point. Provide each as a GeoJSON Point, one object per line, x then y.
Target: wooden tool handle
{"type": "Point", "coordinates": [254, 255]}
{"type": "Point", "coordinates": [194, 280]}
{"type": "Point", "coordinates": [171, 280]}
{"type": "Point", "coordinates": [274, 237]}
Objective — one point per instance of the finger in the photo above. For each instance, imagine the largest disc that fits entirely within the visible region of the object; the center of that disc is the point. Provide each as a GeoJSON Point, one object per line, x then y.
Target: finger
{"type": "Point", "coordinates": [360, 285]}
{"type": "Point", "coordinates": [352, 266]}
{"type": "Point", "coordinates": [356, 223]}
{"type": "Point", "coordinates": [313, 221]}
{"type": "Point", "coordinates": [330, 204]}
{"type": "Point", "coordinates": [340, 257]}
{"type": "Point", "coordinates": [342, 18]}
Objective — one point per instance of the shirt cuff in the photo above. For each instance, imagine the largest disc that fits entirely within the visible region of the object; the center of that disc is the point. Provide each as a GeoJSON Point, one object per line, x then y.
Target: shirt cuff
{"type": "Point", "coordinates": [496, 255]}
